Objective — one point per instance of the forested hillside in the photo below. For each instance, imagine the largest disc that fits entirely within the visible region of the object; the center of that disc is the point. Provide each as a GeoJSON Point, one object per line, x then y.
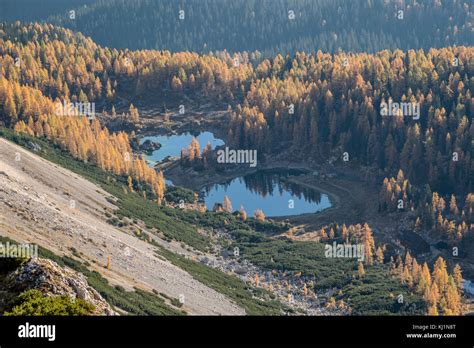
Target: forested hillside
{"type": "Point", "coordinates": [330, 104]}
{"type": "Point", "coordinates": [33, 83]}
{"type": "Point", "coordinates": [269, 26]}
{"type": "Point", "coordinates": [35, 10]}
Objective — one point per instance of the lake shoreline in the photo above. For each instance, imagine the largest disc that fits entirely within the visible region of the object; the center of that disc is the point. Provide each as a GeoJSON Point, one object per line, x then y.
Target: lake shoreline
{"type": "Point", "coordinates": [271, 190]}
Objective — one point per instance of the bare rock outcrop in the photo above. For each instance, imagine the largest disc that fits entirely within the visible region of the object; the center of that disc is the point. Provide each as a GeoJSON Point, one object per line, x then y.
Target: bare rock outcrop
{"type": "Point", "coordinates": [53, 280]}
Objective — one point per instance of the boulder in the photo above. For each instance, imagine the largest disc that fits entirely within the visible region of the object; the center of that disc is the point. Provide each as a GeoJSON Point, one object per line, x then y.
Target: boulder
{"type": "Point", "coordinates": [150, 146]}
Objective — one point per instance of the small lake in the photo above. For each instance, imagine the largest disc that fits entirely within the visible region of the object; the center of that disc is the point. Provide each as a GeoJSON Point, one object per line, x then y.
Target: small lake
{"type": "Point", "coordinates": [171, 145]}
{"type": "Point", "coordinates": [269, 191]}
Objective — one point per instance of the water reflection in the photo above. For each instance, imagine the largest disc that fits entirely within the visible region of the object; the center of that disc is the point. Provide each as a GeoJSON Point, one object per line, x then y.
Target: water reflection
{"type": "Point", "coordinates": [270, 191]}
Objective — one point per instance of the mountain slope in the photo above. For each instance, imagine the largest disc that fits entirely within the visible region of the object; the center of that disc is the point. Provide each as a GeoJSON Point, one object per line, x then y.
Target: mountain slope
{"type": "Point", "coordinates": [59, 210]}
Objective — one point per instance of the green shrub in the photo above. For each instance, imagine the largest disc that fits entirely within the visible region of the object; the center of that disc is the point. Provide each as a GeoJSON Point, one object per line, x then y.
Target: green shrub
{"type": "Point", "coordinates": [175, 302]}
{"type": "Point", "coordinates": [174, 194]}
{"type": "Point", "coordinates": [33, 302]}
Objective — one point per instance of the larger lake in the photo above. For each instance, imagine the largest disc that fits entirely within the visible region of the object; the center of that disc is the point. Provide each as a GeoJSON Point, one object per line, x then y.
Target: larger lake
{"type": "Point", "coordinates": [271, 191]}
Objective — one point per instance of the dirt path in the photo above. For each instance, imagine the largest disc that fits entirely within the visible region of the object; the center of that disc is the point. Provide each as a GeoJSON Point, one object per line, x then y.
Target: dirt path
{"type": "Point", "coordinates": [45, 204]}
